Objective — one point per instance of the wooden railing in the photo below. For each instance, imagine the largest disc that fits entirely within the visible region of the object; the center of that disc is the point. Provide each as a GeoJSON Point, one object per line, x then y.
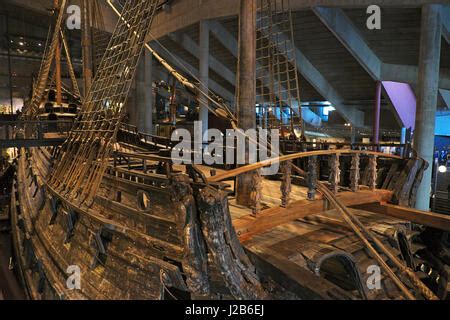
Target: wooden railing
{"type": "Point", "coordinates": [310, 175]}
{"type": "Point", "coordinates": [294, 146]}
{"type": "Point", "coordinates": [130, 134]}
{"type": "Point", "coordinates": [401, 177]}
{"type": "Point", "coordinates": [33, 133]}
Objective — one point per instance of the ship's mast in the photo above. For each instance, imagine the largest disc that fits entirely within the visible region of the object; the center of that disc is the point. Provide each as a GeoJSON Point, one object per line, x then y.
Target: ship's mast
{"type": "Point", "coordinates": [247, 87]}
{"type": "Point", "coordinates": [58, 62]}
{"type": "Point", "coordinates": [87, 46]}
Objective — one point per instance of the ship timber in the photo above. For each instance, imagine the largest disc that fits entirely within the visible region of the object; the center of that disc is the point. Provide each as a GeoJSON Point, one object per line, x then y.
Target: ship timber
{"type": "Point", "coordinates": [155, 230]}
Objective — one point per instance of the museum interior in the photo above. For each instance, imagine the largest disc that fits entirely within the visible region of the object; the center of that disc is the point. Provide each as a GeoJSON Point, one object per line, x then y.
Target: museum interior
{"type": "Point", "coordinates": [224, 150]}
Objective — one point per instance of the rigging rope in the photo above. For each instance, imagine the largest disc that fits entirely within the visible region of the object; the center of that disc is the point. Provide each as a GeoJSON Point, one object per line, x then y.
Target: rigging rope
{"type": "Point", "coordinates": [73, 78]}
{"type": "Point", "coordinates": [276, 68]}
{"type": "Point", "coordinates": [84, 156]}
{"type": "Point", "coordinates": [30, 111]}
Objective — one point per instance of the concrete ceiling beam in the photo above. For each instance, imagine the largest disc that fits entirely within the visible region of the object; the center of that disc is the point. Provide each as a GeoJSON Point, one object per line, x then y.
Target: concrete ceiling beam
{"type": "Point", "coordinates": [187, 12]}
{"type": "Point", "coordinates": [43, 6]}
{"type": "Point", "coordinates": [409, 74]}
{"type": "Point", "coordinates": [346, 32]}
{"type": "Point", "coordinates": [193, 48]}
{"type": "Point", "coordinates": [446, 22]}
{"type": "Point", "coordinates": [181, 14]}
{"type": "Point", "coordinates": [189, 69]}
{"type": "Point", "coordinates": [445, 95]}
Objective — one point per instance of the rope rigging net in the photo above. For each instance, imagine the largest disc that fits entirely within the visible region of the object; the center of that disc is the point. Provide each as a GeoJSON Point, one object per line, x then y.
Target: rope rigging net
{"type": "Point", "coordinates": [82, 160]}
{"type": "Point", "coordinates": [277, 91]}
{"type": "Point", "coordinates": [30, 111]}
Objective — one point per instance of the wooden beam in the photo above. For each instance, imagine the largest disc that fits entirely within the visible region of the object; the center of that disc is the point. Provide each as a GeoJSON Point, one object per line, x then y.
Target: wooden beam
{"type": "Point", "coordinates": [429, 219]}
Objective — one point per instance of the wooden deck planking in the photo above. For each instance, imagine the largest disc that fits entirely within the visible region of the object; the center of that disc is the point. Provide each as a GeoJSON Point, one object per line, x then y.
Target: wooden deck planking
{"type": "Point", "coordinates": [294, 238]}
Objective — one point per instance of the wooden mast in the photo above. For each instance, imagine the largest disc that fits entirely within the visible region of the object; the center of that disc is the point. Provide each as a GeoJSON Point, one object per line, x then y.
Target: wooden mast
{"type": "Point", "coordinates": [87, 46]}
{"type": "Point", "coordinates": [58, 62]}
{"type": "Point", "coordinates": [247, 87]}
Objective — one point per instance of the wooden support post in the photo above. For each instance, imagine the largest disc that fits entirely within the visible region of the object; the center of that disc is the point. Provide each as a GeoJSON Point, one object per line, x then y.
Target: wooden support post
{"type": "Point", "coordinates": [373, 172]}
{"type": "Point", "coordinates": [40, 134]}
{"type": "Point", "coordinates": [335, 173]}
{"type": "Point", "coordinates": [354, 173]}
{"type": "Point", "coordinates": [312, 177]}
{"type": "Point", "coordinates": [286, 186]}
{"type": "Point", "coordinates": [144, 165]}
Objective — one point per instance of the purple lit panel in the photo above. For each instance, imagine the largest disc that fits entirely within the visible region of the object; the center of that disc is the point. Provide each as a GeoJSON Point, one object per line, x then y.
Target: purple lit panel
{"type": "Point", "coordinates": [404, 100]}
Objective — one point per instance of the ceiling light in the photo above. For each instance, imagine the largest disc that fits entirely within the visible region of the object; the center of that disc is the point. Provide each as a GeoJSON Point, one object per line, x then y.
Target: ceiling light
{"type": "Point", "coordinates": [442, 169]}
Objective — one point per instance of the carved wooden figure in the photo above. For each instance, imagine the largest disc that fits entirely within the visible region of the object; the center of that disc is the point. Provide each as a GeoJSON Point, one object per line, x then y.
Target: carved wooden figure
{"type": "Point", "coordinates": [372, 172]}
{"type": "Point", "coordinates": [335, 173]}
{"type": "Point", "coordinates": [354, 173]}
{"type": "Point", "coordinates": [256, 194]}
{"type": "Point", "coordinates": [312, 177]}
{"type": "Point", "coordinates": [286, 186]}
{"type": "Point", "coordinates": [195, 256]}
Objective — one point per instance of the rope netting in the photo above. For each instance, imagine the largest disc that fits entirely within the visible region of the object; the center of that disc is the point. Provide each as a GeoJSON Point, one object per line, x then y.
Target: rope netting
{"type": "Point", "coordinates": [82, 159]}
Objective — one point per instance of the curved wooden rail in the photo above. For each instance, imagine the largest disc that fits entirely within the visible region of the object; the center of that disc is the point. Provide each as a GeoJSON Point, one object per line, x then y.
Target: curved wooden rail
{"type": "Point", "coordinates": [264, 163]}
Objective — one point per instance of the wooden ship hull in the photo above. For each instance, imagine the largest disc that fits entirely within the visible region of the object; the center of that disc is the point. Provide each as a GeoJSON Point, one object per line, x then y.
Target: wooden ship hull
{"type": "Point", "coordinates": [157, 231]}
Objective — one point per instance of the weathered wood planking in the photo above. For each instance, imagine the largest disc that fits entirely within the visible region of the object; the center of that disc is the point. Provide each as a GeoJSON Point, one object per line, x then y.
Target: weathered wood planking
{"type": "Point", "coordinates": [430, 219]}
{"type": "Point", "coordinates": [132, 271]}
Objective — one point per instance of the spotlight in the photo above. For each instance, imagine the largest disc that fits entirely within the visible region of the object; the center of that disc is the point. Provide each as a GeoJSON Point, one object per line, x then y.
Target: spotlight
{"type": "Point", "coordinates": [442, 169]}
